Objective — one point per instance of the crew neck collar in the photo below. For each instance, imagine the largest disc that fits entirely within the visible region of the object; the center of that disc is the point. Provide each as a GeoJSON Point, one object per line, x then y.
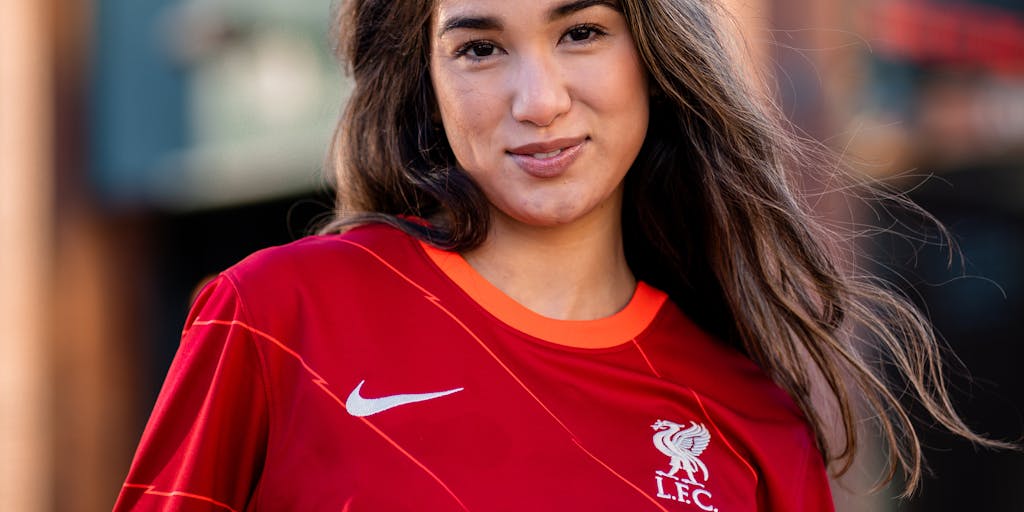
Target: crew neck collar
{"type": "Point", "coordinates": [619, 328]}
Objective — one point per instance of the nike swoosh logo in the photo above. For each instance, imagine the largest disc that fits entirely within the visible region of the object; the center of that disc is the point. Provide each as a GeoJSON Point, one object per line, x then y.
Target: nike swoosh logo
{"type": "Point", "coordinates": [359, 406]}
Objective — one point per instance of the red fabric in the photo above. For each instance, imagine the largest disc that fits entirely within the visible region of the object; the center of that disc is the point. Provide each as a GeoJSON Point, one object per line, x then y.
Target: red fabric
{"type": "Point", "coordinates": [253, 413]}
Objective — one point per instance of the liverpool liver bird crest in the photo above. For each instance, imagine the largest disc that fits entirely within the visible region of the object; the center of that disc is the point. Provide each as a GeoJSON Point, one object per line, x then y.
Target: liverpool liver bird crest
{"type": "Point", "coordinates": [683, 447]}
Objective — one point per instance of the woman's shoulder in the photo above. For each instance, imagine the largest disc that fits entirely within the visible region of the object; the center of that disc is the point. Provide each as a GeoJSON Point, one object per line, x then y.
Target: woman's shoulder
{"type": "Point", "coordinates": [338, 252]}
{"type": "Point", "coordinates": [724, 375]}
{"type": "Point", "coordinates": [343, 259]}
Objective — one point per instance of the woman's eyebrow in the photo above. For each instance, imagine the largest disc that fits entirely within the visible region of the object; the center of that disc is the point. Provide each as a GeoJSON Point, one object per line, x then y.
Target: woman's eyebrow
{"type": "Point", "coordinates": [469, 22]}
{"type": "Point", "coordinates": [568, 8]}
{"type": "Point", "coordinates": [491, 23]}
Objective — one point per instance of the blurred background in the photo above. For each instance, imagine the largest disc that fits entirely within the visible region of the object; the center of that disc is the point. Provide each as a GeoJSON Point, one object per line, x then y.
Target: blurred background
{"type": "Point", "coordinates": [148, 144]}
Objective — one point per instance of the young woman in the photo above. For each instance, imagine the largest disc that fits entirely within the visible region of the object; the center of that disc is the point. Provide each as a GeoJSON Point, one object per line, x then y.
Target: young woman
{"type": "Point", "coordinates": [568, 273]}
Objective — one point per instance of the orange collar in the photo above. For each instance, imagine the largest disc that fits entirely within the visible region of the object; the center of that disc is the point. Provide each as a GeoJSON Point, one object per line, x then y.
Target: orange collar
{"type": "Point", "coordinates": [619, 328]}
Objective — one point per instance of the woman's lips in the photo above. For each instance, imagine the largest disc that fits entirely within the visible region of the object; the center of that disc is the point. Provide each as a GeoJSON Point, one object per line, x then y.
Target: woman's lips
{"type": "Point", "coordinates": [548, 159]}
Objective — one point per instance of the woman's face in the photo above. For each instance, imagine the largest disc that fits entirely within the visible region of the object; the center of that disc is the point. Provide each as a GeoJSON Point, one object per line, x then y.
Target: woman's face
{"type": "Point", "coordinates": [544, 103]}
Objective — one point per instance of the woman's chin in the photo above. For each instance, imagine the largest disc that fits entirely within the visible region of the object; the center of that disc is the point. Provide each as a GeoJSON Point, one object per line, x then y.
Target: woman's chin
{"type": "Point", "coordinates": [552, 217]}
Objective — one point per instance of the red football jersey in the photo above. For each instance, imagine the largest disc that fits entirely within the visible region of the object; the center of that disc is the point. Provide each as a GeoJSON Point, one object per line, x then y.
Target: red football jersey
{"type": "Point", "coordinates": [370, 372]}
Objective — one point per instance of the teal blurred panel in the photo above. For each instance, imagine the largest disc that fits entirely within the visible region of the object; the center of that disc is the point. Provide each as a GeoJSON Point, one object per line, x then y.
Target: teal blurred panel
{"type": "Point", "coordinates": [138, 98]}
{"type": "Point", "coordinates": [211, 103]}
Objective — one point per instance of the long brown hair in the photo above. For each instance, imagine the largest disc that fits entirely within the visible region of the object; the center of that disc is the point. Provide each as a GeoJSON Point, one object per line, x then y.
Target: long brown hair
{"type": "Point", "coordinates": [711, 215]}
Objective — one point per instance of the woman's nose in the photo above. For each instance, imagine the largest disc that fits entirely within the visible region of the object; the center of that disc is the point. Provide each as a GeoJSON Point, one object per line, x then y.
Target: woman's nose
{"type": "Point", "coordinates": [540, 92]}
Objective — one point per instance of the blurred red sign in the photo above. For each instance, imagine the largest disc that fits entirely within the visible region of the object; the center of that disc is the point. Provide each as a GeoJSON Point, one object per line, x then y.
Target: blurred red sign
{"type": "Point", "coordinates": [956, 34]}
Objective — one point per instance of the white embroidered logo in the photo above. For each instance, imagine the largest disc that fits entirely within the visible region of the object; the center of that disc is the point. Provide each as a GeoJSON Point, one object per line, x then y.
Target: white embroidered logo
{"type": "Point", "coordinates": [358, 406]}
{"type": "Point", "coordinates": [683, 447]}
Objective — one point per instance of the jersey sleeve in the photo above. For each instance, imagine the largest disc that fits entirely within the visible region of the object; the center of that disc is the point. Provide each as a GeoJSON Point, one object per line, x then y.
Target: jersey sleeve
{"type": "Point", "coordinates": [814, 493]}
{"type": "Point", "coordinates": [204, 445]}
{"type": "Point", "coordinates": [793, 473]}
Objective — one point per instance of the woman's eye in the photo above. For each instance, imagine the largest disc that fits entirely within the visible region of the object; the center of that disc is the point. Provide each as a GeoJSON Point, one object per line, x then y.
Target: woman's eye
{"type": "Point", "coordinates": [582, 33]}
{"type": "Point", "coordinates": [482, 49]}
{"type": "Point", "coordinates": [478, 49]}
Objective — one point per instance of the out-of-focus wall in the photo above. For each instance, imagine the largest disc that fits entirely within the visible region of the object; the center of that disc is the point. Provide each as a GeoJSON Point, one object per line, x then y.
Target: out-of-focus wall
{"type": "Point", "coordinates": [927, 96]}
{"type": "Point", "coordinates": [26, 213]}
{"type": "Point", "coordinates": [942, 111]}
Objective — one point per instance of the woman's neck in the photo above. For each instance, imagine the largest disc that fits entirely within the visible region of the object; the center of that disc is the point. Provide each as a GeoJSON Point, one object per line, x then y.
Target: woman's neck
{"type": "Point", "coordinates": [571, 272]}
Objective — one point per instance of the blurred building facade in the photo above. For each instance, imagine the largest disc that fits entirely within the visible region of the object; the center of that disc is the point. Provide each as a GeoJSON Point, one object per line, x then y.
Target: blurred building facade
{"type": "Point", "coordinates": [177, 136]}
{"type": "Point", "coordinates": [952, 75]}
